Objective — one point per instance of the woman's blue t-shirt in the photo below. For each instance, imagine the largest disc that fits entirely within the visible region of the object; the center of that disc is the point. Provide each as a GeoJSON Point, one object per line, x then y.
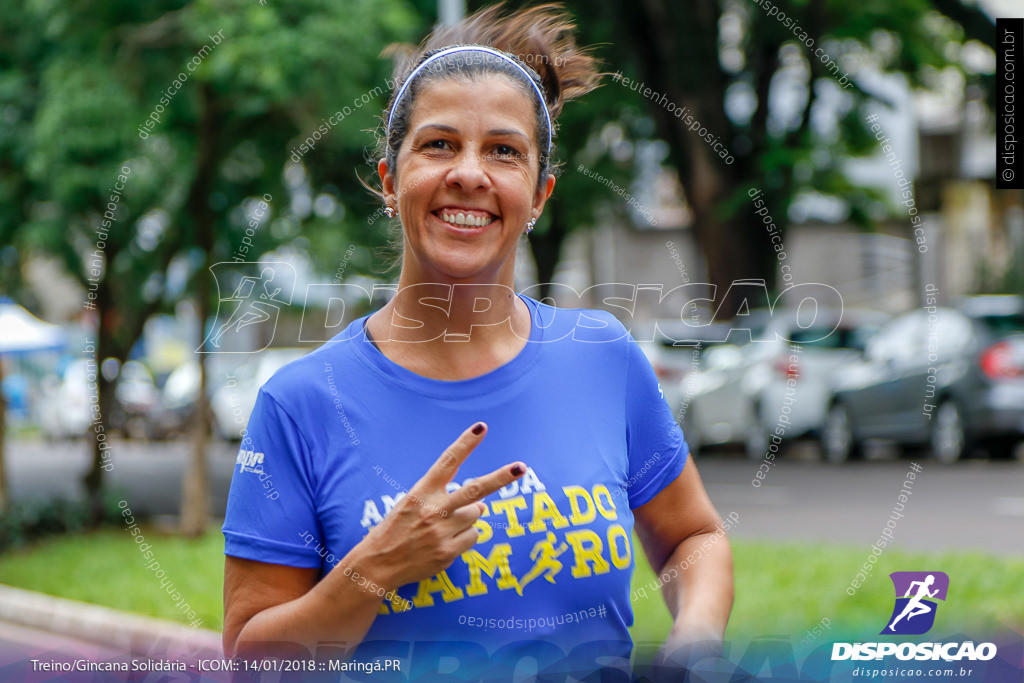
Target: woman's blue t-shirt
{"type": "Point", "coordinates": [338, 436]}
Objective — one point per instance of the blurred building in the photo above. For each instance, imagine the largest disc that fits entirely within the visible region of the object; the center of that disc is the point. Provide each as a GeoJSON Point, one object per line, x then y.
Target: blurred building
{"type": "Point", "coordinates": [968, 238]}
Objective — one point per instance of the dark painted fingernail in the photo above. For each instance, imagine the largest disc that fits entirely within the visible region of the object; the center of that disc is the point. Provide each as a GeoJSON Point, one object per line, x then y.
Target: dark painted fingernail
{"type": "Point", "coordinates": [478, 428]}
{"type": "Point", "coordinates": [516, 471]}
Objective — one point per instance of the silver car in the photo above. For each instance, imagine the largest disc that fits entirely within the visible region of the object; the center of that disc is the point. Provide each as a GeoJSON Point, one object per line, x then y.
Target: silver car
{"type": "Point", "coordinates": [949, 378]}
{"type": "Point", "coordinates": [776, 388]}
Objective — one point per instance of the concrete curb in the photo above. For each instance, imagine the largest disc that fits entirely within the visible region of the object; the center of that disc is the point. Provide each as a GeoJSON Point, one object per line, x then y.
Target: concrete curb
{"type": "Point", "coordinates": [132, 634]}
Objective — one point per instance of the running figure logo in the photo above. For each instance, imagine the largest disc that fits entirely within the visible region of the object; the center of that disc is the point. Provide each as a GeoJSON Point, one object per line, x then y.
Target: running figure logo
{"type": "Point", "coordinates": [254, 301]}
{"type": "Point", "coordinates": [916, 592]}
{"type": "Point", "coordinates": [546, 565]}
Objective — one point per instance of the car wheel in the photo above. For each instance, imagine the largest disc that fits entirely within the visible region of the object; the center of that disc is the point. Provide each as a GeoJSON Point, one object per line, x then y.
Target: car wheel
{"type": "Point", "coordinates": [692, 434]}
{"type": "Point", "coordinates": [217, 430]}
{"type": "Point", "coordinates": [949, 434]}
{"type": "Point", "coordinates": [135, 428]}
{"type": "Point", "coordinates": [838, 444]}
{"type": "Point", "coordinates": [756, 443]}
{"type": "Point", "coordinates": [1002, 448]}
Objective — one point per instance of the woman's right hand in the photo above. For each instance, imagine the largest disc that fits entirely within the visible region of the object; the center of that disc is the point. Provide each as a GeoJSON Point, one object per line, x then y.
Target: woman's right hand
{"type": "Point", "coordinates": [429, 527]}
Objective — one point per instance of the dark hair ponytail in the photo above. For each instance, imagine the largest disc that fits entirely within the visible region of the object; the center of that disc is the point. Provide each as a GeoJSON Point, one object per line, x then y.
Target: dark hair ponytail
{"type": "Point", "coordinates": [540, 38]}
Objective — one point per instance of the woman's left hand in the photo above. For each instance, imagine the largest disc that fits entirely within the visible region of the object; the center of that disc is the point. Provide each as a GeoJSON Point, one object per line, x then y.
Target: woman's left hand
{"type": "Point", "coordinates": [685, 646]}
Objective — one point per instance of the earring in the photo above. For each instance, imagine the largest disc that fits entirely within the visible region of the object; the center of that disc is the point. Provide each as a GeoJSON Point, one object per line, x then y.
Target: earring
{"type": "Point", "coordinates": [530, 225]}
{"type": "Point", "coordinates": [390, 212]}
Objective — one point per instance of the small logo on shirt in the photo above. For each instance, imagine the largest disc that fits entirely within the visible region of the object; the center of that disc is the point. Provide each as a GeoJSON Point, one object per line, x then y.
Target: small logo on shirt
{"type": "Point", "coordinates": [249, 461]}
{"type": "Point", "coordinates": [252, 461]}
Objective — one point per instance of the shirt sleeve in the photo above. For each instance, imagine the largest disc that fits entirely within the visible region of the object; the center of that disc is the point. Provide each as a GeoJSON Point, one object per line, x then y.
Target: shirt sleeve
{"type": "Point", "coordinates": [271, 510]}
{"type": "Point", "coordinates": [657, 450]}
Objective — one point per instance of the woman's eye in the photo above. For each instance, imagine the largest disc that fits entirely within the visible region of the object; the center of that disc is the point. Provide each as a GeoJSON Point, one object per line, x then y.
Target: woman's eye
{"type": "Point", "coordinates": [506, 151]}
{"type": "Point", "coordinates": [436, 144]}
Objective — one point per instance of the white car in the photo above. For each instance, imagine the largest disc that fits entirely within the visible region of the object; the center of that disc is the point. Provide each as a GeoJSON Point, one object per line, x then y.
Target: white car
{"type": "Point", "coordinates": [69, 405]}
{"type": "Point", "coordinates": [65, 409]}
{"type": "Point", "coordinates": [232, 402]}
{"type": "Point", "coordinates": [675, 350]}
{"type": "Point", "coordinates": [779, 384]}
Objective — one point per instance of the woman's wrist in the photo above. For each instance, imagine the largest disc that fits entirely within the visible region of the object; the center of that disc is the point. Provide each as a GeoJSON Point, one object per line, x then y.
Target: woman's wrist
{"type": "Point", "coordinates": [362, 567]}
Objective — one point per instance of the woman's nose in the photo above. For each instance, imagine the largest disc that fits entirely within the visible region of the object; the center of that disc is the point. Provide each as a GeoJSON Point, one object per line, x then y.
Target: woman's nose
{"type": "Point", "coordinates": [468, 173]}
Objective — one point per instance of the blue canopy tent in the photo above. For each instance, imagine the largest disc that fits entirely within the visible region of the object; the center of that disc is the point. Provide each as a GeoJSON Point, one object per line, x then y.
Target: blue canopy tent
{"type": "Point", "coordinates": [20, 333]}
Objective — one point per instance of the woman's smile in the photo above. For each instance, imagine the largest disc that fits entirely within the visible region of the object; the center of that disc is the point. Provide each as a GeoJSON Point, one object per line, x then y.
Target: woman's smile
{"type": "Point", "coordinates": [463, 220]}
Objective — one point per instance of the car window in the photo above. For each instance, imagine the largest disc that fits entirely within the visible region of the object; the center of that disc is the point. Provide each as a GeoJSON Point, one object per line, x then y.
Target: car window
{"type": "Point", "coordinates": [819, 337]}
{"type": "Point", "coordinates": [949, 332]}
{"type": "Point", "coordinates": [1002, 324]}
{"type": "Point", "coordinates": [722, 357]}
{"type": "Point", "coordinates": [900, 339]}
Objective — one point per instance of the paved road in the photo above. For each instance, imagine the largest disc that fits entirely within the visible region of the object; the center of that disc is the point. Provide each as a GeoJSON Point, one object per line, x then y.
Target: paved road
{"type": "Point", "coordinates": [20, 644]}
{"type": "Point", "coordinates": [975, 504]}
{"type": "Point", "coordinates": [148, 473]}
{"type": "Point", "coordinates": [60, 657]}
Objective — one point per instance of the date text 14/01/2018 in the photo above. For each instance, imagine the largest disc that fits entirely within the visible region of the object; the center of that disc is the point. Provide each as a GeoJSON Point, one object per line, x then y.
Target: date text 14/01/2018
{"type": "Point", "coordinates": [274, 664]}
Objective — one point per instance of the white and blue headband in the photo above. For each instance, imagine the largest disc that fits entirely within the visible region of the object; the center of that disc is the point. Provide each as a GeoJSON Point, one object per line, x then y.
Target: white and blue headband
{"type": "Point", "coordinates": [469, 48]}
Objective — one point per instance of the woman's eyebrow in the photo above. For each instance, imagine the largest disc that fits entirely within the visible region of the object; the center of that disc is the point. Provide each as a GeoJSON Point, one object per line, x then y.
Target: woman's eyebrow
{"type": "Point", "coordinates": [503, 132]}
{"type": "Point", "coordinates": [440, 127]}
{"type": "Point", "coordinates": [494, 132]}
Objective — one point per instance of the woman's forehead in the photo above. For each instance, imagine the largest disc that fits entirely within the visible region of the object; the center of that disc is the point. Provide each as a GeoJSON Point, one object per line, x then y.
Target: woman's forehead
{"type": "Point", "coordinates": [492, 102]}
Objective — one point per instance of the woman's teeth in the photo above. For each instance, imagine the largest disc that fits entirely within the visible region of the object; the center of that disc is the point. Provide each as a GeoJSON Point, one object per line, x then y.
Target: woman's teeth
{"type": "Point", "coordinates": [470, 220]}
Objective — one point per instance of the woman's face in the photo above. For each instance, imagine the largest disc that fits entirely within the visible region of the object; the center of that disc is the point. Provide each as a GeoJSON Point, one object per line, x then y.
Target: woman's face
{"type": "Point", "coordinates": [466, 180]}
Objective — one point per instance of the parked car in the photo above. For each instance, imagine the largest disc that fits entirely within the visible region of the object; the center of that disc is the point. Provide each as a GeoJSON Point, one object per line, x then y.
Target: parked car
{"type": "Point", "coordinates": [779, 383]}
{"type": "Point", "coordinates": [951, 378]}
{"type": "Point", "coordinates": [233, 401]}
{"type": "Point", "coordinates": [177, 409]}
{"type": "Point", "coordinates": [674, 349]}
{"type": "Point", "coordinates": [135, 400]}
{"type": "Point", "coordinates": [66, 408]}
{"type": "Point", "coordinates": [176, 413]}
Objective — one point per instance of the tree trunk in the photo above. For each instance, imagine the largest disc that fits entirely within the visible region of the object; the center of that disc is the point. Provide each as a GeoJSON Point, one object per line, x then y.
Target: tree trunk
{"type": "Point", "coordinates": [4, 502]}
{"type": "Point", "coordinates": [99, 427]}
{"type": "Point", "coordinates": [195, 498]}
{"type": "Point", "coordinates": [666, 50]}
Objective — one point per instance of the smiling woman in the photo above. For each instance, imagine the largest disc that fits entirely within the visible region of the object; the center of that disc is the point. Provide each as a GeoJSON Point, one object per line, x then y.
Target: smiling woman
{"type": "Point", "coordinates": [523, 525]}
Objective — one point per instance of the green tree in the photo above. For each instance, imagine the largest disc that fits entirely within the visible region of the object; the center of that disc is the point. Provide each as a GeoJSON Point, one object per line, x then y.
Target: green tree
{"type": "Point", "coordinates": [728, 62]}
{"type": "Point", "coordinates": [227, 89]}
{"type": "Point", "coordinates": [706, 53]}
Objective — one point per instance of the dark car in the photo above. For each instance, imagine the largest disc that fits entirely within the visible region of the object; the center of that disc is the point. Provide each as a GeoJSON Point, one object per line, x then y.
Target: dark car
{"type": "Point", "coordinates": [951, 378]}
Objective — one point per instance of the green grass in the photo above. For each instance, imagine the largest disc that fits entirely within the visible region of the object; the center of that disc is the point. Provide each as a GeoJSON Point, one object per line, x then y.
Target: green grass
{"type": "Point", "coordinates": [787, 589]}
{"type": "Point", "coordinates": [106, 568]}
{"type": "Point", "coordinates": [781, 589]}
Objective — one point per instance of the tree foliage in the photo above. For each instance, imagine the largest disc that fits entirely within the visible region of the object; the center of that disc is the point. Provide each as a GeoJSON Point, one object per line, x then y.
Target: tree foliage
{"type": "Point", "coordinates": [196, 107]}
{"type": "Point", "coordinates": [764, 79]}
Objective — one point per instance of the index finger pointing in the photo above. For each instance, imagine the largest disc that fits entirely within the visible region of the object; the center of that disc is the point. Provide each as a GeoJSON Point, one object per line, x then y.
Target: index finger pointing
{"type": "Point", "coordinates": [478, 489]}
{"type": "Point", "coordinates": [444, 468]}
